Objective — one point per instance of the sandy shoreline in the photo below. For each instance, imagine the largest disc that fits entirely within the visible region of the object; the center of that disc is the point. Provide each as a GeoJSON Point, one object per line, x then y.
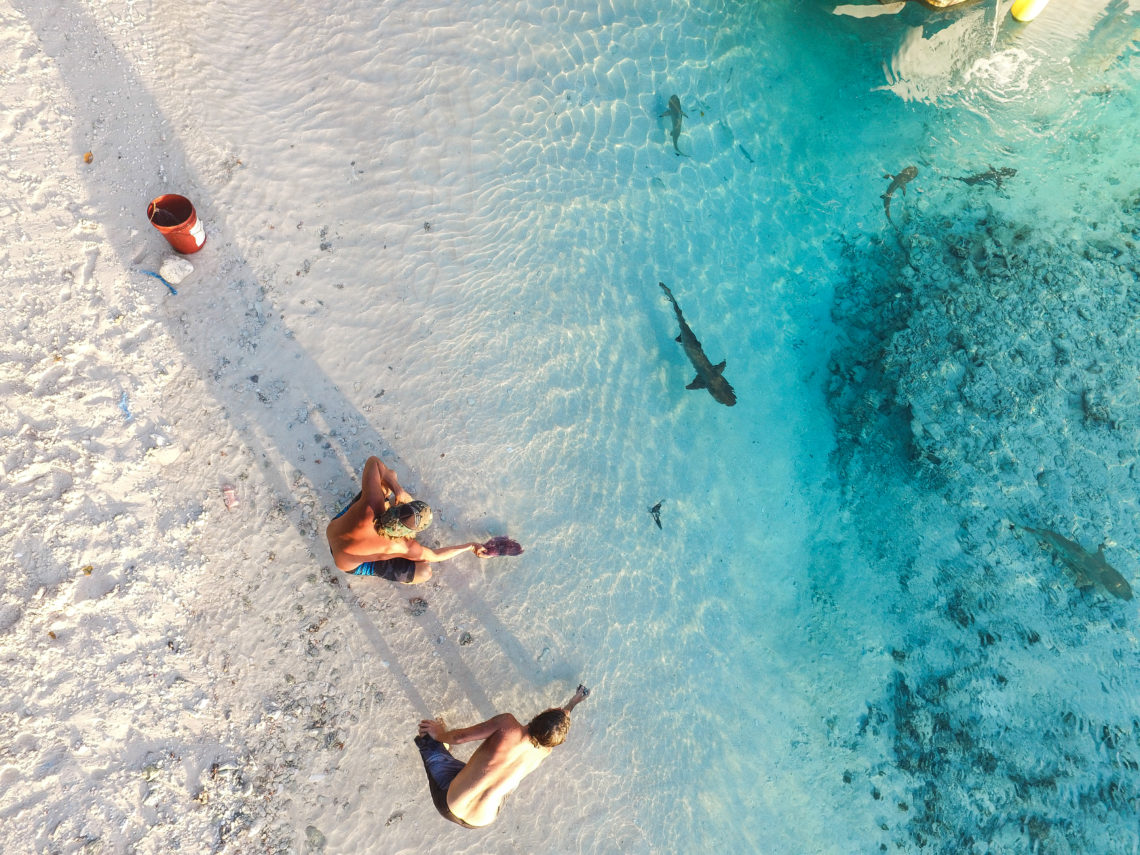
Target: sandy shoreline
{"type": "Point", "coordinates": [179, 676]}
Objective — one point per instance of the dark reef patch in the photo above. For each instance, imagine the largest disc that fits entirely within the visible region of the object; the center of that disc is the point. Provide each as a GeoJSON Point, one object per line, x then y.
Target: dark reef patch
{"type": "Point", "coordinates": [989, 372]}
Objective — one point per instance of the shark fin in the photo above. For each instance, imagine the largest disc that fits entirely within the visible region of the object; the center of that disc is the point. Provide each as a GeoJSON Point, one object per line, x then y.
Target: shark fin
{"type": "Point", "coordinates": [719, 369]}
{"type": "Point", "coordinates": [697, 383]}
{"type": "Point", "coordinates": [678, 339]}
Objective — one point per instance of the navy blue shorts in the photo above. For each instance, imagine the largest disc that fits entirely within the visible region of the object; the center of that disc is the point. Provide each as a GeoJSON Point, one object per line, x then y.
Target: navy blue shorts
{"type": "Point", "coordinates": [392, 569]}
{"type": "Point", "coordinates": [441, 770]}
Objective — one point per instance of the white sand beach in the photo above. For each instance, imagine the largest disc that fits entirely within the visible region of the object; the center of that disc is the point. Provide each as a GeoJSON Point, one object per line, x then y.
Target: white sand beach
{"type": "Point", "coordinates": [435, 233]}
{"type": "Point", "coordinates": [176, 676]}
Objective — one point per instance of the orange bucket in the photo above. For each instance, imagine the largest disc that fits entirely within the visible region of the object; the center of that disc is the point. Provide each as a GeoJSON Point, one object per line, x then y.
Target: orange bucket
{"type": "Point", "coordinates": [174, 216]}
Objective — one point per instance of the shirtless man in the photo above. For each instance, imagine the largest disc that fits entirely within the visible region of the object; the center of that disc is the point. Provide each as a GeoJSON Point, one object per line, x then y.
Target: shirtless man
{"type": "Point", "coordinates": [472, 794]}
{"type": "Point", "coordinates": [376, 534]}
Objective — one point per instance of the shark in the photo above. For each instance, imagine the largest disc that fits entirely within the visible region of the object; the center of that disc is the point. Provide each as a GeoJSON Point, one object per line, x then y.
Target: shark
{"type": "Point", "coordinates": [655, 512]}
{"type": "Point", "coordinates": [1087, 567]}
{"type": "Point", "coordinates": [709, 376]}
{"type": "Point", "coordinates": [898, 182]}
{"type": "Point", "coordinates": [990, 176]}
{"type": "Point", "coordinates": [675, 113]}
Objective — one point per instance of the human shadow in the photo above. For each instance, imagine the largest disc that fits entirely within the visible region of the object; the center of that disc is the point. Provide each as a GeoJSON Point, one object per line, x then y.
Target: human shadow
{"type": "Point", "coordinates": [292, 430]}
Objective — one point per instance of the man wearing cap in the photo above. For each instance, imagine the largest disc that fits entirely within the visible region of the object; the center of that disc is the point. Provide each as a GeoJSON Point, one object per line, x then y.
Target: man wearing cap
{"type": "Point", "coordinates": [376, 534]}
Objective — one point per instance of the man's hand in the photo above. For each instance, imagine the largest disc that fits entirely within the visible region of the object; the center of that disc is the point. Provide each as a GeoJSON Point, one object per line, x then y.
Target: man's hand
{"type": "Point", "coordinates": [433, 728]}
{"type": "Point", "coordinates": [403, 497]}
{"type": "Point", "coordinates": [580, 695]}
{"type": "Point", "coordinates": [480, 551]}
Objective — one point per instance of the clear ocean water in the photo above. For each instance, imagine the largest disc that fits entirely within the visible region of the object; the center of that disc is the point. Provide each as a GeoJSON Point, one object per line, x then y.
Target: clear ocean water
{"type": "Point", "coordinates": [835, 642]}
{"type": "Point", "coordinates": [841, 638]}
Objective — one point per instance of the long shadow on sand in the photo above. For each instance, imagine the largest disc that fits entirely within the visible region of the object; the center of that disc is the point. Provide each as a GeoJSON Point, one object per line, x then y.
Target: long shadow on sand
{"type": "Point", "coordinates": [220, 335]}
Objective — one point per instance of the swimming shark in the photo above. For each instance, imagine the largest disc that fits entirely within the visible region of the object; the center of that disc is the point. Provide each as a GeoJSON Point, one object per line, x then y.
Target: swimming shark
{"type": "Point", "coordinates": [1087, 567]}
{"type": "Point", "coordinates": [675, 113]}
{"type": "Point", "coordinates": [898, 182]}
{"type": "Point", "coordinates": [709, 376]}
{"type": "Point", "coordinates": [990, 176]}
{"type": "Point", "coordinates": [655, 512]}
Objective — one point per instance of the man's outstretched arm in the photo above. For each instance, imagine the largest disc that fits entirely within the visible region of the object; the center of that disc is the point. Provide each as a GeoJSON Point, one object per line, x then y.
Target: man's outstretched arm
{"type": "Point", "coordinates": [418, 552]}
{"type": "Point", "coordinates": [580, 695]}
{"type": "Point", "coordinates": [436, 730]}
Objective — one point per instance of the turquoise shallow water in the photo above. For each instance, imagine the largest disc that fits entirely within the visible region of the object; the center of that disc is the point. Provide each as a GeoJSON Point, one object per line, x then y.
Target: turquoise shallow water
{"type": "Point", "coordinates": [924, 680]}
{"type": "Point", "coordinates": [835, 642]}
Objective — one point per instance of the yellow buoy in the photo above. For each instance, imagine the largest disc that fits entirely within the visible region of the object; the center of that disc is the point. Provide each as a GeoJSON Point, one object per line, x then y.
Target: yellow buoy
{"type": "Point", "coordinates": [1027, 10]}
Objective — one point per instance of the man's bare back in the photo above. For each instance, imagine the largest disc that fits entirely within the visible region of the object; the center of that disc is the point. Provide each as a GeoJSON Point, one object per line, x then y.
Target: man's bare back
{"type": "Point", "coordinates": [498, 765]}
{"type": "Point", "coordinates": [509, 752]}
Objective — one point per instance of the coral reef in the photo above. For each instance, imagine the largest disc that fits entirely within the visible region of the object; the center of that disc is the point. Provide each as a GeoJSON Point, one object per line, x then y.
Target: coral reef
{"type": "Point", "coordinates": [989, 374]}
